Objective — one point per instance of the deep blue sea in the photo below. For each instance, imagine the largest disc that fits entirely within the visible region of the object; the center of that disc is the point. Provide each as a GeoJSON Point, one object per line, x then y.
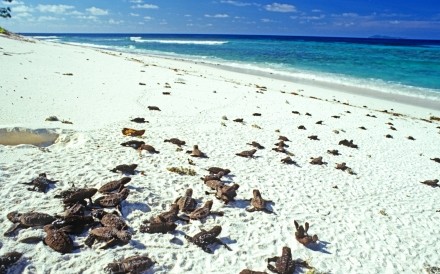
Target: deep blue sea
{"type": "Point", "coordinates": [405, 66]}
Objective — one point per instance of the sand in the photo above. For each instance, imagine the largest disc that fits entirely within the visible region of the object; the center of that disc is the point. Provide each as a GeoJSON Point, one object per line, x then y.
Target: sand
{"type": "Point", "coordinates": [379, 220]}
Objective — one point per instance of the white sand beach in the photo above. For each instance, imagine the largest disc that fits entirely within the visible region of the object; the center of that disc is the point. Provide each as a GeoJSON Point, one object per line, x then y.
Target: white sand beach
{"type": "Point", "coordinates": [380, 219]}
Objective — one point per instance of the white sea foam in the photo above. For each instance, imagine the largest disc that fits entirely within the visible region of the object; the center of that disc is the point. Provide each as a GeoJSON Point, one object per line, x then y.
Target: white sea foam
{"type": "Point", "coordinates": [180, 42]}
{"type": "Point", "coordinates": [90, 45]}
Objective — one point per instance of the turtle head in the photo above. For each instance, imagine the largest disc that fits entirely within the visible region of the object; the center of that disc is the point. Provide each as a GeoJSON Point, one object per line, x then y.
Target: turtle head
{"type": "Point", "coordinates": [42, 175]}
{"type": "Point", "coordinates": [125, 180]}
{"type": "Point", "coordinates": [196, 147]}
{"type": "Point", "coordinates": [286, 252]}
{"type": "Point", "coordinates": [124, 236]}
{"type": "Point", "coordinates": [124, 192]}
{"type": "Point", "coordinates": [13, 216]}
{"type": "Point", "coordinates": [208, 204]}
{"type": "Point", "coordinates": [48, 227]}
{"type": "Point", "coordinates": [235, 186]}
{"type": "Point", "coordinates": [98, 213]}
{"type": "Point", "coordinates": [256, 193]}
{"type": "Point", "coordinates": [189, 192]}
{"type": "Point", "coordinates": [216, 230]}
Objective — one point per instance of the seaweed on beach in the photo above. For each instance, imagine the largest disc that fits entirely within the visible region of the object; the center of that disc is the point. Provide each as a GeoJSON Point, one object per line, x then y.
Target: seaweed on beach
{"type": "Point", "coordinates": [182, 171]}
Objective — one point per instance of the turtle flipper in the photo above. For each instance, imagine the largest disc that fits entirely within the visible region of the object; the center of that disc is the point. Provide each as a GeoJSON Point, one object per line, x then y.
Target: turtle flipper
{"type": "Point", "coordinates": [207, 249]}
{"type": "Point", "coordinates": [267, 211]}
{"type": "Point", "coordinates": [272, 268]}
{"type": "Point", "coordinates": [89, 241]}
{"type": "Point", "coordinates": [252, 209]}
{"type": "Point", "coordinates": [110, 243]}
{"type": "Point", "coordinates": [222, 243]}
{"type": "Point", "coordinates": [11, 229]}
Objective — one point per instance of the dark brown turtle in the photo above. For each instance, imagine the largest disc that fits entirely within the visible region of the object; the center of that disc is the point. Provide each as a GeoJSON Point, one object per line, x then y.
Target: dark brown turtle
{"type": "Point", "coordinates": [313, 137]}
{"type": "Point", "coordinates": [113, 200]}
{"type": "Point", "coordinates": [437, 160]}
{"type": "Point", "coordinates": [302, 236]}
{"type": "Point", "coordinates": [280, 149]}
{"type": "Point", "coordinates": [238, 120]}
{"type": "Point", "coordinates": [209, 177]}
{"type": "Point", "coordinates": [7, 260]}
{"type": "Point", "coordinates": [175, 141]}
{"type": "Point", "coordinates": [319, 122]}
{"type": "Point", "coordinates": [296, 112]}
{"type": "Point", "coordinates": [80, 195]}
{"type": "Point", "coordinates": [342, 166]}
{"type": "Point", "coordinates": [154, 108]}
{"type": "Point", "coordinates": [281, 144]}
{"type": "Point", "coordinates": [41, 183]}
{"type": "Point", "coordinates": [114, 185]}
{"type": "Point", "coordinates": [167, 216]}
{"type": "Point", "coordinates": [196, 152]}
{"type": "Point", "coordinates": [363, 128]}
{"type": "Point", "coordinates": [336, 116]}
{"type": "Point", "coordinates": [111, 235]}
{"type": "Point", "coordinates": [288, 161]}
{"type": "Point", "coordinates": [333, 152]}
{"type": "Point", "coordinates": [389, 136]}
{"type": "Point", "coordinates": [110, 219]}
{"type": "Point", "coordinates": [158, 227]}
{"type": "Point", "coordinates": [213, 184]}
{"type": "Point", "coordinates": [186, 202]}
{"type": "Point", "coordinates": [204, 211]}
{"type": "Point", "coordinates": [283, 138]}
{"type": "Point", "coordinates": [248, 271]}
{"type": "Point", "coordinates": [433, 183]}
{"type": "Point", "coordinates": [256, 114]}
{"type": "Point", "coordinates": [302, 127]}
{"type": "Point", "coordinates": [392, 128]}
{"type": "Point", "coordinates": [139, 120]}
{"type": "Point", "coordinates": [204, 238]}
{"type": "Point", "coordinates": [125, 169]}
{"type": "Point", "coordinates": [216, 170]}
{"type": "Point", "coordinates": [76, 209]}
{"type": "Point", "coordinates": [226, 193]}
{"type": "Point", "coordinates": [283, 264]}
{"type": "Point", "coordinates": [74, 224]}
{"type": "Point", "coordinates": [256, 145]}
{"type": "Point", "coordinates": [133, 144]}
{"type": "Point", "coordinates": [148, 148]}
{"type": "Point", "coordinates": [347, 143]}
{"type": "Point", "coordinates": [28, 219]}
{"type": "Point", "coordinates": [317, 161]}
{"type": "Point", "coordinates": [247, 153]}
{"type": "Point", "coordinates": [411, 138]}
{"type": "Point", "coordinates": [134, 264]}
{"type": "Point", "coordinates": [308, 114]}
{"type": "Point", "coordinates": [57, 239]}
{"type": "Point", "coordinates": [258, 203]}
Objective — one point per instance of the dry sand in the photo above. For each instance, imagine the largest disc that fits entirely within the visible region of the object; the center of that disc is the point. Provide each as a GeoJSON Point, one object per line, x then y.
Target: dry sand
{"type": "Point", "coordinates": [380, 220]}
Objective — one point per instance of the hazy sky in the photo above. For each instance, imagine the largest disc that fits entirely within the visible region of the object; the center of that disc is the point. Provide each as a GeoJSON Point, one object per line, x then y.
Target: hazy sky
{"type": "Point", "coordinates": [355, 18]}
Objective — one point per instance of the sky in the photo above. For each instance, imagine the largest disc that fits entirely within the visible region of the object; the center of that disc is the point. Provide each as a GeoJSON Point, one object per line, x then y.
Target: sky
{"type": "Point", "coordinates": [340, 18]}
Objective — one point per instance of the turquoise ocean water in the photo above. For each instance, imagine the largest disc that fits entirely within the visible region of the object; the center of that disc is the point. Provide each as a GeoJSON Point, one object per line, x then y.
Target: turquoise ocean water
{"type": "Point", "coordinates": [404, 66]}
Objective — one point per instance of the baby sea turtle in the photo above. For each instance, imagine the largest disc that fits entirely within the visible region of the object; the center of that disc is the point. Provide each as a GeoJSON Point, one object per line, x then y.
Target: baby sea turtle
{"type": "Point", "coordinates": [139, 120]}
{"type": "Point", "coordinates": [132, 132]}
{"type": "Point", "coordinates": [283, 138]}
{"type": "Point", "coordinates": [437, 160]}
{"type": "Point", "coordinates": [258, 203]}
{"type": "Point", "coordinates": [226, 193]}
{"type": "Point", "coordinates": [74, 224]}
{"type": "Point", "coordinates": [216, 170]}
{"type": "Point", "coordinates": [114, 185]}
{"type": "Point", "coordinates": [333, 152]}
{"type": "Point", "coordinates": [285, 264]}
{"type": "Point", "coordinates": [389, 136]}
{"type": "Point", "coordinates": [347, 143]}
{"type": "Point", "coordinates": [168, 216]}
{"type": "Point", "coordinates": [204, 211]}
{"type": "Point", "coordinates": [186, 202]}
{"type": "Point", "coordinates": [288, 161]}
{"type": "Point", "coordinates": [134, 264]}
{"type": "Point", "coordinates": [110, 219]}
{"type": "Point", "coordinates": [158, 227]}
{"type": "Point", "coordinates": [411, 138]}
{"type": "Point", "coordinates": [281, 144]}
{"type": "Point", "coordinates": [175, 141]}
{"type": "Point", "coordinates": [217, 176]}
{"type": "Point", "coordinates": [196, 152]}
{"type": "Point", "coordinates": [256, 114]}
{"type": "Point", "coordinates": [79, 195]}
{"type": "Point", "coordinates": [133, 144]}
{"type": "Point", "coordinates": [280, 149]}
{"type": "Point", "coordinates": [204, 238]}
{"type": "Point", "coordinates": [113, 200]}
{"type": "Point", "coordinates": [8, 259]}
{"type": "Point", "coordinates": [433, 183]}
{"type": "Point", "coordinates": [302, 127]}
{"type": "Point", "coordinates": [41, 183]}
{"type": "Point", "coordinates": [125, 169]}
{"type": "Point", "coordinates": [302, 236]}
{"type": "Point", "coordinates": [313, 137]}
{"type": "Point", "coordinates": [319, 122]}
{"type": "Point", "coordinates": [148, 148]}
{"type": "Point", "coordinates": [213, 184]}
{"type": "Point", "coordinates": [342, 166]}
{"type": "Point", "coordinates": [256, 145]}
{"type": "Point", "coordinates": [111, 235]}
{"type": "Point", "coordinates": [238, 120]}
{"type": "Point", "coordinates": [317, 161]}
{"type": "Point", "coordinates": [29, 219]}
{"type": "Point", "coordinates": [247, 153]}
{"type": "Point", "coordinates": [363, 128]}
{"type": "Point", "coordinates": [154, 108]}
{"type": "Point", "coordinates": [57, 239]}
